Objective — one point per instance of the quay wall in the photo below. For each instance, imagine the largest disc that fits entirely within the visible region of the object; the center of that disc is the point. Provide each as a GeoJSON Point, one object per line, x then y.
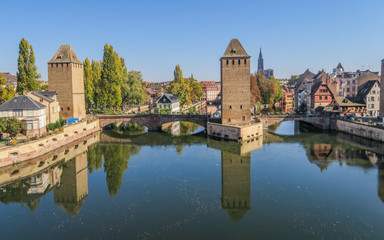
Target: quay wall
{"type": "Point", "coordinates": [24, 151]}
{"type": "Point", "coordinates": [357, 129]}
{"type": "Point", "coordinates": [234, 132]}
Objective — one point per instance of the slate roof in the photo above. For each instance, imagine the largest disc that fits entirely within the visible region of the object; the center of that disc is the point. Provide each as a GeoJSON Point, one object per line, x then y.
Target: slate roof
{"type": "Point", "coordinates": [364, 89]}
{"type": "Point", "coordinates": [65, 54]}
{"type": "Point", "coordinates": [340, 66]}
{"type": "Point", "coordinates": [235, 49]}
{"type": "Point", "coordinates": [368, 76]}
{"type": "Point", "coordinates": [21, 103]}
{"type": "Point", "coordinates": [315, 87]}
{"type": "Point", "coordinates": [171, 98]}
{"type": "Point", "coordinates": [45, 95]}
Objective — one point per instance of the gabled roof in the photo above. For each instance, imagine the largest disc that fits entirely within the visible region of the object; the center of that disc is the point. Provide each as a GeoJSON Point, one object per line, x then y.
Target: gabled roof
{"type": "Point", "coordinates": [364, 89]}
{"type": "Point", "coordinates": [350, 101]}
{"type": "Point", "coordinates": [65, 54]}
{"type": "Point", "coordinates": [368, 76]}
{"type": "Point", "coordinates": [304, 77]}
{"type": "Point", "coordinates": [21, 103]}
{"type": "Point", "coordinates": [171, 98]}
{"type": "Point", "coordinates": [340, 66]}
{"type": "Point", "coordinates": [45, 95]}
{"type": "Point", "coordinates": [235, 49]}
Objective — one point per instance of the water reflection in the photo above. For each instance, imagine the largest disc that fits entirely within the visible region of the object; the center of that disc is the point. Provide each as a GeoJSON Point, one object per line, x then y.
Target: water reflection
{"type": "Point", "coordinates": [65, 171]}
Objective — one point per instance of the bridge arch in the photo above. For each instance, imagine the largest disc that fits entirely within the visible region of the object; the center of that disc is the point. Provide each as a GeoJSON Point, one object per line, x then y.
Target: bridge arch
{"type": "Point", "coordinates": [153, 122]}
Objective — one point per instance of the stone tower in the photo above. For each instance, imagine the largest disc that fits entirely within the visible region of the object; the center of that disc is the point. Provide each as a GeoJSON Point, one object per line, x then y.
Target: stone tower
{"type": "Point", "coordinates": [235, 184]}
{"type": "Point", "coordinates": [65, 76]}
{"type": "Point", "coordinates": [382, 90]}
{"type": "Point", "coordinates": [260, 63]}
{"type": "Point", "coordinates": [235, 85]}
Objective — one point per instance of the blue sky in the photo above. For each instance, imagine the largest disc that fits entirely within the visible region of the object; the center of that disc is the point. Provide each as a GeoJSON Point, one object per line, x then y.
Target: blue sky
{"type": "Point", "coordinates": [154, 36]}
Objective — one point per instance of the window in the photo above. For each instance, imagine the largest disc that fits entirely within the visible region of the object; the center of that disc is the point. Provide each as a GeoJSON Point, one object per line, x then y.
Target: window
{"type": "Point", "coordinates": [326, 97]}
{"type": "Point", "coordinates": [17, 113]}
{"type": "Point", "coordinates": [245, 61]}
{"type": "Point", "coordinates": [372, 99]}
{"type": "Point", "coordinates": [230, 107]}
{"type": "Point", "coordinates": [229, 120]}
{"type": "Point", "coordinates": [233, 61]}
{"type": "Point", "coordinates": [239, 61]}
{"type": "Point", "coordinates": [35, 125]}
{"type": "Point", "coordinates": [321, 98]}
{"type": "Point", "coordinates": [30, 113]}
{"type": "Point", "coordinates": [348, 82]}
{"type": "Point", "coordinates": [241, 106]}
{"type": "Point", "coordinates": [5, 114]}
{"type": "Point", "coordinates": [243, 118]}
{"type": "Point", "coordinates": [353, 81]}
{"type": "Point", "coordinates": [29, 126]}
{"type": "Point", "coordinates": [68, 108]}
{"type": "Point", "coordinates": [62, 109]}
{"type": "Point", "coordinates": [348, 90]}
{"type": "Point", "coordinates": [372, 105]}
{"type": "Point", "coordinates": [227, 61]}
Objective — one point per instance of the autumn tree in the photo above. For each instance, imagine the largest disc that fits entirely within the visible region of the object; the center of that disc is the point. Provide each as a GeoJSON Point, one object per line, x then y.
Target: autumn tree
{"type": "Point", "coordinates": [27, 76]}
{"type": "Point", "coordinates": [89, 87]}
{"type": "Point", "coordinates": [255, 90]}
{"type": "Point", "coordinates": [196, 90]}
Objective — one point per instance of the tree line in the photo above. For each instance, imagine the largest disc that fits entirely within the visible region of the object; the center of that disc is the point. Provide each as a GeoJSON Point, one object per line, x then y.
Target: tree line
{"type": "Point", "coordinates": [265, 91]}
{"type": "Point", "coordinates": [108, 84]}
{"type": "Point", "coordinates": [187, 90]}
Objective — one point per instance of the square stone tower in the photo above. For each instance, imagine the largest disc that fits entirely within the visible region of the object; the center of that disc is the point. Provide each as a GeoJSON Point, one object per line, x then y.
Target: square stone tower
{"type": "Point", "coordinates": [235, 85]}
{"type": "Point", "coordinates": [65, 76]}
{"type": "Point", "coordinates": [382, 90]}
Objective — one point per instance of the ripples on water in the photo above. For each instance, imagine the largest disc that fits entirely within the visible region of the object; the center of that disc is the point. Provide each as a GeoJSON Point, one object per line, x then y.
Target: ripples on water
{"type": "Point", "coordinates": [294, 183]}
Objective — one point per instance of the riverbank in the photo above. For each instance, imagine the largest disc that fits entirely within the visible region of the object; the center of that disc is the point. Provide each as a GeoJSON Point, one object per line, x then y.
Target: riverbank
{"type": "Point", "coordinates": [25, 151]}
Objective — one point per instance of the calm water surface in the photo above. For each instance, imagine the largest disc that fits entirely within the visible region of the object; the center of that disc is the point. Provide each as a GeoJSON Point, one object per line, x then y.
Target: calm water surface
{"type": "Point", "coordinates": [294, 183]}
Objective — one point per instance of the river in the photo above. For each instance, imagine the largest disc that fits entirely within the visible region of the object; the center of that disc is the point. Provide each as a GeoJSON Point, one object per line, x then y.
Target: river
{"type": "Point", "coordinates": [293, 183]}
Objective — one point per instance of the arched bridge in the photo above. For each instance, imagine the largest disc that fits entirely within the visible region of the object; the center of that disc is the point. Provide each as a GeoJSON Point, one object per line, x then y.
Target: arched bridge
{"type": "Point", "coordinates": [322, 122]}
{"type": "Point", "coordinates": [153, 122]}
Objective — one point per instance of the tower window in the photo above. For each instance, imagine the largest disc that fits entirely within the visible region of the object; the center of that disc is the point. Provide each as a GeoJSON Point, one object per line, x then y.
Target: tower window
{"type": "Point", "coordinates": [239, 61]}
{"type": "Point", "coordinates": [245, 61]}
{"type": "Point", "coordinates": [62, 109]}
{"type": "Point", "coordinates": [229, 120]}
{"type": "Point", "coordinates": [243, 118]}
{"type": "Point", "coordinates": [68, 108]}
{"type": "Point", "coordinates": [227, 61]}
{"type": "Point", "coordinates": [61, 65]}
{"type": "Point", "coordinates": [241, 106]}
{"type": "Point", "coordinates": [230, 107]}
{"type": "Point", "coordinates": [57, 65]}
{"type": "Point", "coordinates": [233, 61]}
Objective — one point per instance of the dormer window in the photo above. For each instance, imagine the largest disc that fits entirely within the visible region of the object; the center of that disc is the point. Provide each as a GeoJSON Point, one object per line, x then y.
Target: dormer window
{"type": "Point", "coordinates": [58, 57]}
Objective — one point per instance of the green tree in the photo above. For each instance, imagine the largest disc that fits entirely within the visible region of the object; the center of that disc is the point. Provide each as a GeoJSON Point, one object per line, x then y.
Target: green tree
{"type": "Point", "coordinates": [196, 90]}
{"type": "Point", "coordinates": [12, 126]}
{"type": "Point", "coordinates": [179, 88]}
{"type": "Point", "coordinates": [27, 76]}
{"type": "Point", "coordinates": [7, 92]}
{"type": "Point", "coordinates": [111, 78]}
{"type": "Point", "coordinates": [133, 89]}
{"type": "Point", "coordinates": [96, 78]}
{"type": "Point", "coordinates": [89, 87]}
{"type": "Point", "coordinates": [255, 90]}
{"type": "Point", "coordinates": [293, 79]}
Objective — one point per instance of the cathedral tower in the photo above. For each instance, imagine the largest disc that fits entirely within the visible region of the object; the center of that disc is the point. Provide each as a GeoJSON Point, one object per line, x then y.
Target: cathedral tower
{"type": "Point", "coordinates": [65, 76]}
{"type": "Point", "coordinates": [260, 63]}
{"type": "Point", "coordinates": [235, 85]}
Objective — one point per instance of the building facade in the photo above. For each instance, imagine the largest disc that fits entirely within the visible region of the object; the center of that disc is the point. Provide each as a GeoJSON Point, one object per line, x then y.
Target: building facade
{"type": "Point", "coordinates": [49, 99]}
{"type": "Point", "coordinates": [10, 79]}
{"type": "Point", "coordinates": [370, 95]}
{"type": "Point", "coordinates": [382, 90]}
{"type": "Point", "coordinates": [65, 76]}
{"type": "Point", "coordinates": [168, 102]}
{"type": "Point", "coordinates": [27, 110]}
{"type": "Point", "coordinates": [235, 85]}
{"type": "Point", "coordinates": [210, 90]}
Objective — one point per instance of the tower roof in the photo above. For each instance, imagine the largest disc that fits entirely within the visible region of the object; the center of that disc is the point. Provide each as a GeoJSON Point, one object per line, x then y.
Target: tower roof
{"type": "Point", "coordinates": [65, 54]}
{"type": "Point", "coordinates": [235, 49]}
{"type": "Point", "coordinates": [260, 54]}
{"type": "Point", "coordinates": [339, 66]}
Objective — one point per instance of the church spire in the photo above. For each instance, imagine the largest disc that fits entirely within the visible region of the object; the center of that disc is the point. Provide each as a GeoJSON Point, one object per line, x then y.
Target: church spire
{"type": "Point", "coordinates": [260, 65]}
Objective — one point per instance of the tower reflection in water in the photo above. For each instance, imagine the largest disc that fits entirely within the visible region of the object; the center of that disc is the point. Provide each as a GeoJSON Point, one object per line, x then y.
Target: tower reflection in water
{"type": "Point", "coordinates": [63, 171]}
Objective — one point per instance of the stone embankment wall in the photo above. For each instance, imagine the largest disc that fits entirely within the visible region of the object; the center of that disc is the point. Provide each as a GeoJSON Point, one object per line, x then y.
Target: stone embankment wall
{"type": "Point", "coordinates": [24, 151]}
{"type": "Point", "coordinates": [358, 129]}
{"type": "Point", "coordinates": [234, 132]}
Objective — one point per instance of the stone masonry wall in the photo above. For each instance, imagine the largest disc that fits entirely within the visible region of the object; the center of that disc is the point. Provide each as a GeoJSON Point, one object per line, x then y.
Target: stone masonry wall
{"type": "Point", "coordinates": [25, 151]}
{"type": "Point", "coordinates": [357, 129]}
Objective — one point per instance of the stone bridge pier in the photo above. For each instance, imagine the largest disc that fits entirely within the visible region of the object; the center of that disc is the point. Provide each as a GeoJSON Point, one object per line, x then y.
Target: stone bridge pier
{"type": "Point", "coordinates": [154, 122]}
